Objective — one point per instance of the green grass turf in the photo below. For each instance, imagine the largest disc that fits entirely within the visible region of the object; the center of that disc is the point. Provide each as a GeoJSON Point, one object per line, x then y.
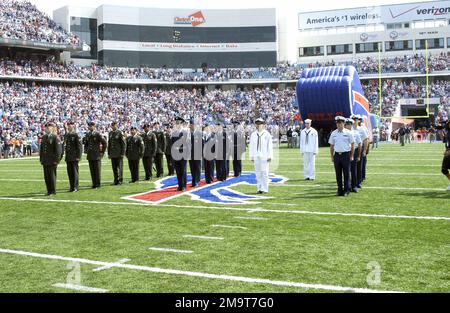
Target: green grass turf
{"type": "Point", "coordinates": [414, 254]}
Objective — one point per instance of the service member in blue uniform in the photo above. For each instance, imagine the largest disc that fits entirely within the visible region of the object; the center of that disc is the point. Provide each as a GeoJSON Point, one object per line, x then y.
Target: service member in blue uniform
{"type": "Point", "coordinates": [364, 133]}
{"type": "Point", "coordinates": [180, 151]}
{"type": "Point", "coordinates": [73, 150]}
{"type": "Point", "coordinates": [357, 154]}
{"type": "Point", "coordinates": [209, 153]}
{"type": "Point", "coordinates": [195, 147]}
{"type": "Point", "coordinates": [238, 148]}
{"type": "Point", "coordinates": [134, 153]}
{"type": "Point", "coordinates": [116, 152]}
{"type": "Point", "coordinates": [221, 152]}
{"type": "Point", "coordinates": [95, 147]}
{"type": "Point", "coordinates": [50, 154]}
{"type": "Point", "coordinates": [342, 149]}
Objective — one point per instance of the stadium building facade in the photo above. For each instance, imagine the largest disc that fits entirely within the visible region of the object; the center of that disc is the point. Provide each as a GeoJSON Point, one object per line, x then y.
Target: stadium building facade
{"type": "Point", "coordinates": [393, 30]}
{"type": "Point", "coordinates": [177, 38]}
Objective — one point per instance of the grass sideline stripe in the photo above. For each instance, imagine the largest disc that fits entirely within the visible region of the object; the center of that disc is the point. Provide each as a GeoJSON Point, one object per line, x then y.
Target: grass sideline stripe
{"type": "Point", "coordinates": [203, 237]}
{"type": "Point", "coordinates": [234, 209]}
{"type": "Point", "coordinates": [197, 274]}
{"type": "Point", "coordinates": [102, 268]}
{"type": "Point", "coordinates": [80, 288]}
{"type": "Point", "coordinates": [170, 250]}
{"type": "Point", "coordinates": [227, 226]}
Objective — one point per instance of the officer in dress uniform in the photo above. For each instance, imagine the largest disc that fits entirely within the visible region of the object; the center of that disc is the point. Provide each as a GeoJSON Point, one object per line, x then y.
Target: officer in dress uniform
{"type": "Point", "coordinates": [167, 152]}
{"type": "Point", "coordinates": [195, 147]}
{"type": "Point", "coordinates": [161, 147]}
{"type": "Point", "coordinates": [220, 150]}
{"type": "Point", "coordinates": [95, 146]}
{"type": "Point", "coordinates": [50, 154]}
{"type": "Point", "coordinates": [364, 134]}
{"type": "Point", "coordinates": [357, 154]}
{"type": "Point", "coordinates": [342, 147]}
{"type": "Point", "coordinates": [309, 147]}
{"type": "Point", "coordinates": [150, 144]}
{"type": "Point", "coordinates": [116, 152]}
{"type": "Point", "coordinates": [261, 154]}
{"type": "Point", "coordinates": [134, 152]}
{"type": "Point", "coordinates": [209, 153]}
{"type": "Point", "coordinates": [180, 151]}
{"type": "Point", "coordinates": [366, 150]}
{"type": "Point", "coordinates": [238, 147]}
{"type": "Point", "coordinates": [73, 149]}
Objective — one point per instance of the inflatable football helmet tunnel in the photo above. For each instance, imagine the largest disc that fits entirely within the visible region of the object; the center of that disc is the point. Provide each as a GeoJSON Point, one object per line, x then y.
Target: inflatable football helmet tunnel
{"type": "Point", "coordinates": [326, 92]}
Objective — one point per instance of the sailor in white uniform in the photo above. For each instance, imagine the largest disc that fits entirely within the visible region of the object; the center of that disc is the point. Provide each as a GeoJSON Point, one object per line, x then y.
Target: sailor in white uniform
{"type": "Point", "coordinates": [309, 147]}
{"type": "Point", "coordinates": [261, 153]}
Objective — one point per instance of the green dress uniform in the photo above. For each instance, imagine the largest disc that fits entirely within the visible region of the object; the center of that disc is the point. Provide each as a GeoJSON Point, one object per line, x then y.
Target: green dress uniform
{"type": "Point", "coordinates": [150, 144]}
{"type": "Point", "coordinates": [161, 148]}
{"type": "Point", "coordinates": [95, 147]}
{"type": "Point", "coordinates": [116, 152]}
{"type": "Point", "coordinates": [73, 150]}
{"type": "Point", "coordinates": [50, 153]}
{"type": "Point", "coordinates": [134, 151]}
{"type": "Point", "coordinates": [168, 153]}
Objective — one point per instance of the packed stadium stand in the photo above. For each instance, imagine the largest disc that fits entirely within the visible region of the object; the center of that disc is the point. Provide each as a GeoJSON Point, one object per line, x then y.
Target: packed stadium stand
{"type": "Point", "coordinates": [37, 86]}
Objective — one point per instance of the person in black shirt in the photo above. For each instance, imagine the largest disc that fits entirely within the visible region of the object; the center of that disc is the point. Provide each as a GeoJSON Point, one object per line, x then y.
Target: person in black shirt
{"type": "Point", "coordinates": [446, 160]}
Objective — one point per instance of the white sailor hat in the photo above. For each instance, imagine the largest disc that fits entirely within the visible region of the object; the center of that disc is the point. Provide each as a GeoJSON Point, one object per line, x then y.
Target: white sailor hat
{"type": "Point", "coordinates": [349, 121]}
{"type": "Point", "coordinates": [308, 121]}
{"type": "Point", "coordinates": [259, 121]}
{"type": "Point", "coordinates": [339, 119]}
{"type": "Point", "coordinates": [359, 117]}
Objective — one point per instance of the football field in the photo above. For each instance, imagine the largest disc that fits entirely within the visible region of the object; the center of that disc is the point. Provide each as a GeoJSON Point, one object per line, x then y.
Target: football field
{"type": "Point", "coordinates": [394, 235]}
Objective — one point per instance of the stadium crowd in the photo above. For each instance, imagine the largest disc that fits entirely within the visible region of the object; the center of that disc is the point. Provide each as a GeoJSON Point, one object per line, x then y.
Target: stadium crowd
{"type": "Point", "coordinates": [25, 108]}
{"type": "Point", "coordinates": [21, 20]}
{"type": "Point", "coordinates": [283, 71]}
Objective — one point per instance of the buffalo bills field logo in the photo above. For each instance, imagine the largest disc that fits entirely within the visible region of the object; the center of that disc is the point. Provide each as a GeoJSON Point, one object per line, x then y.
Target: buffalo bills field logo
{"type": "Point", "coordinates": [217, 192]}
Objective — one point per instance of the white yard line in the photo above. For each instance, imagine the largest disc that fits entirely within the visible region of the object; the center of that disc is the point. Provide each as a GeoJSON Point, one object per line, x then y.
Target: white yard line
{"type": "Point", "coordinates": [170, 250]}
{"type": "Point", "coordinates": [80, 288]}
{"type": "Point", "coordinates": [203, 237]}
{"type": "Point", "coordinates": [227, 226]}
{"type": "Point", "coordinates": [369, 187]}
{"type": "Point", "coordinates": [39, 180]}
{"type": "Point", "coordinates": [371, 173]}
{"type": "Point", "coordinates": [19, 159]}
{"type": "Point", "coordinates": [106, 267]}
{"type": "Point", "coordinates": [103, 203]}
{"type": "Point", "coordinates": [252, 218]}
{"type": "Point", "coordinates": [196, 274]}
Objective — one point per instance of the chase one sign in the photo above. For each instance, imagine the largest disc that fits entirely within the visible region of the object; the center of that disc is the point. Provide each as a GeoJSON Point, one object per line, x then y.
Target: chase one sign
{"type": "Point", "coordinates": [375, 15]}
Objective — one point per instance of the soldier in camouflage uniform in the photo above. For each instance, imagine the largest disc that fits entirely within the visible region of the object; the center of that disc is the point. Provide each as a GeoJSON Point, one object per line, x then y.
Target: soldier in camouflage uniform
{"type": "Point", "coordinates": [116, 152]}
{"type": "Point", "coordinates": [95, 146]}
{"type": "Point", "coordinates": [73, 150]}
{"type": "Point", "coordinates": [150, 144]}
{"type": "Point", "coordinates": [134, 152]}
{"type": "Point", "coordinates": [50, 154]}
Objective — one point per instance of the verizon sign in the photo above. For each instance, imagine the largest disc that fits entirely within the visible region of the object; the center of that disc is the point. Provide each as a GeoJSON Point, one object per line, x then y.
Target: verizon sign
{"type": "Point", "coordinates": [375, 15]}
